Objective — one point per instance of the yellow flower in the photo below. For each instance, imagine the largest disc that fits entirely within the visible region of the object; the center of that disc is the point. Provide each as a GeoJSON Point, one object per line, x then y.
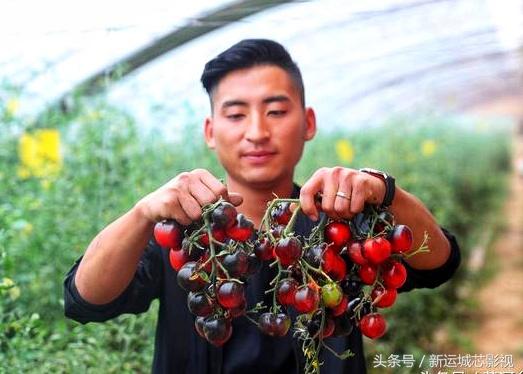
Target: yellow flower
{"type": "Point", "coordinates": [39, 153]}
{"type": "Point", "coordinates": [7, 283]}
{"type": "Point", "coordinates": [12, 105]}
{"type": "Point", "coordinates": [428, 147]}
{"type": "Point", "coordinates": [10, 287]}
{"type": "Point", "coordinates": [27, 229]}
{"type": "Point", "coordinates": [14, 292]}
{"type": "Point", "coordinates": [345, 151]}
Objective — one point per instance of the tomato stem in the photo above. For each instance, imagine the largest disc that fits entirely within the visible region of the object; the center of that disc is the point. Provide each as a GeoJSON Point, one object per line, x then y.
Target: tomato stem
{"type": "Point", "coordinates": [292, 221]}
{"type": "Point", "coordinates": [266, 220]}
{"type": "Point", "coordinates": [423, 248]}
{"type": "Point", "coordinates": [212, 255]}
{"type": "Point", "coordinates": [274, 305]}
{"type": "Point", "coordinates": [318, 271]}
{"type": "Point", "coordinates": [319, 230]}
{"type": "Point", "coordinates": [251, 320]}
{"type": "Point", "coordinates": [348, 353]}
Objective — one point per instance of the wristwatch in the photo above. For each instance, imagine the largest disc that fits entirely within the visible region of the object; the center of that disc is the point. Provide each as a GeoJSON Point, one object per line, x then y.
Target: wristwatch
{"type": "Point", "coordinates": [390, 184]}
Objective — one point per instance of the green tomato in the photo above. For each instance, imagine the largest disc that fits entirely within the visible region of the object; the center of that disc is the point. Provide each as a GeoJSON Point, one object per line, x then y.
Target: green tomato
{"type": "Point", "coordinates": [331, 295]}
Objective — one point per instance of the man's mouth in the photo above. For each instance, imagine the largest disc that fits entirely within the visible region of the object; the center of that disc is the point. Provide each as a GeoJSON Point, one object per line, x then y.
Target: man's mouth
{"type": "Point", "coordinates": [258, 157]}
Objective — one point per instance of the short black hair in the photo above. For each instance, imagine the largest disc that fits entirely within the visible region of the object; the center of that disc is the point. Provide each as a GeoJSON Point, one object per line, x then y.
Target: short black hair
{"type": "Point", "coordinates": [249, 53]}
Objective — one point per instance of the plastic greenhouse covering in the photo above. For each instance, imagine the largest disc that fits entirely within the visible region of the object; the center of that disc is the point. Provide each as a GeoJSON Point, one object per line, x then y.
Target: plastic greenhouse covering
{"type": "Point", "coordinates": [362, 61]}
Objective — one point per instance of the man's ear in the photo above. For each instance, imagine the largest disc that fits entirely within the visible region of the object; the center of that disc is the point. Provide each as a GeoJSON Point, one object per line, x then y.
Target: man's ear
{"type": "Point", "coordinates": [310, 124]}
{"type": "Point", "coordinates": [208, 132]}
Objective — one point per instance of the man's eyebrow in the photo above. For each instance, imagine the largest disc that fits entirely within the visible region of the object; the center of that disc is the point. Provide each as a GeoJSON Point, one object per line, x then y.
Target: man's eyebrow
{"type": "Point", "coordinates": [267, 100]}
{"type": "Point", "coordinates": [277, 98]}
{"type": "Point", "coordinates": [229, 103]}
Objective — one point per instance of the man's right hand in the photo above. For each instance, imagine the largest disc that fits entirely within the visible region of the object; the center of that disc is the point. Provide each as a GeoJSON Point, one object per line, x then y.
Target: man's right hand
{"type": "Point", "coordinates": [112, 257]}
{"type": "Point", "coordinates": [183, 197]}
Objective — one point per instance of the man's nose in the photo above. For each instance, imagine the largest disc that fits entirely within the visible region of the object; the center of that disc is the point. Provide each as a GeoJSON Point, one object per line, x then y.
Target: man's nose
{"type": "Point", "coordinates": [258, 130]}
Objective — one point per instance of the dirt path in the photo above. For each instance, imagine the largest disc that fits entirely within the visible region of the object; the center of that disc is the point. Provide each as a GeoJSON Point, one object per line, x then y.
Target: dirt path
{"type": "Point", "coordinates": [500, 309]}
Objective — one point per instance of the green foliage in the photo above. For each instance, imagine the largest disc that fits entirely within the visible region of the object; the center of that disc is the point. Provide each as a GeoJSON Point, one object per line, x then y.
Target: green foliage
{"type": "Point", "coordinates": [108, 165]}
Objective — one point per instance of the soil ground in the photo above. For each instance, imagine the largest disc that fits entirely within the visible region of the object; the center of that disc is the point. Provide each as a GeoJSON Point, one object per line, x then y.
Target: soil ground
{"type": "Point", "coordinates": [499, 317]}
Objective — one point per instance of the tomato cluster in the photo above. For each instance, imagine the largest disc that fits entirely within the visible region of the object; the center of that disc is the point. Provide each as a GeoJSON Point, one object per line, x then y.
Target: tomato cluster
{"type": "Point", "coordinates": [213, 261]}
{"type": "Point", "coordinates": [336, 279]}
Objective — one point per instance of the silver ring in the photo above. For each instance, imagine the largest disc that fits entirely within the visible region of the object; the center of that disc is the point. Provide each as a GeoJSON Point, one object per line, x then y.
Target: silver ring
{"type": "Point", "coordinates": [343, 195]}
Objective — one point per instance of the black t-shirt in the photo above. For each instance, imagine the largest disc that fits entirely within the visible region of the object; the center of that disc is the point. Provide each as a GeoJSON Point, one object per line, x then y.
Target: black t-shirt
{"type": "Point", "coordinates": [178, 347]}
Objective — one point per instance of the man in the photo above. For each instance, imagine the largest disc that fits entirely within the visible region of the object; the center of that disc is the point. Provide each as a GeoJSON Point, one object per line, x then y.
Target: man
{"type": "Point", "coordinates": [258, 127]}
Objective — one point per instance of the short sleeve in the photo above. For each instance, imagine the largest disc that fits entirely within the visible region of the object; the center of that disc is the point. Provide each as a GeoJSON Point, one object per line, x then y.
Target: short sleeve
{"type": "Point", "coordinates": [137, 297]}
{"type": "Point", "coordinates": [434, 277]}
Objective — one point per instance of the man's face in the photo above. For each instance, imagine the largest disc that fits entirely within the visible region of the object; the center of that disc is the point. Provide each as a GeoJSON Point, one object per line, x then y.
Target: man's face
{"type": "Point", "coordinates": [258, 126]}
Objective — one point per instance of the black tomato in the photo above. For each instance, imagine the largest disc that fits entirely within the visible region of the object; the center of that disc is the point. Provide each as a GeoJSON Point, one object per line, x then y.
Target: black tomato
{"type": "Point", "coordinates": [189, 279]}
{"type": "Point", "coordinates": [224, 216]}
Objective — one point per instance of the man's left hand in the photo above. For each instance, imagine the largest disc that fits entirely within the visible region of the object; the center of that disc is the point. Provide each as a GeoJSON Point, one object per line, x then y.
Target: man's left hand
{"type": "Point", "coordinates": [343, 192]}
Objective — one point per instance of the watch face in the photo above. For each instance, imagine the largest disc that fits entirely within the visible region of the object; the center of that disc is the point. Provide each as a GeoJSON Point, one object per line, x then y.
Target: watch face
{"type": "Point", "coordinates": [374, 171]}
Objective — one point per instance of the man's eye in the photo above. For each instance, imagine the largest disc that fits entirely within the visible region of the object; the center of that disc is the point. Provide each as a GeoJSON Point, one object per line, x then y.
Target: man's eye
{"type": "Point", "coordinates": [277, 113]}
{"type": "Point", "coordinates": [235, 117]}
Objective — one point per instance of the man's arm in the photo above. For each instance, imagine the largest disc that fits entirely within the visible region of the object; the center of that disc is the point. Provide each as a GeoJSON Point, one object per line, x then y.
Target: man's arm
{"type": "Point", "coordinates": [410, 211]}
{"type": "Point", "coordinates": [111, 259]}
{"type": "Point", "coordinates": [361, 188]}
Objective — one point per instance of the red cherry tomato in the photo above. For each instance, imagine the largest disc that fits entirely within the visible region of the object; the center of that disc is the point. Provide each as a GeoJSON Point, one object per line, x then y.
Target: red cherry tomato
{"type": "Point", "coordinates": [306, 299]}
{"type": "Point", "coordinates": [217, 234]}
{"type": "Point", "coordinates": [401, 239]}
{"type": "Point", "coordinates": [242, 230]}
{"type": "Point", "coordinates": [328, 328]}
{"type": "Point", "coordinates": [288, 250]}
{"type": "Point", "coordinates": [286, 291]}
{"type": "Point", "coordinates": [373, 325]}
{"type": "Point", "coordinates": [264, 250]}
{"type": "Point", "coordinates": [394, 274]}
{"type": "Point", "coordinates": [355, 253]}
{"type": "Point", "coordinates": [168, 234]}
{"type": "Point", "coordinates": [178, 258]}
{"type": "Point", "coordinates": [385, 296]}
{"type": "Point", "coordinates": [376, 250]}
{"type": "Point", "coordinates": [339, 309]}
{"type": "Point", "coordinates": [337, 233]}
{"type": "Point", "coordinates": [333, 264]}
{"type": "Point", "coordinates": [282, 214]}
{"type": "Point", "coordinates": [367, 274]}
{"type": "Point", "coordinates": [230, 294]}
{"type": "Point", "coordinates": [274, 324]}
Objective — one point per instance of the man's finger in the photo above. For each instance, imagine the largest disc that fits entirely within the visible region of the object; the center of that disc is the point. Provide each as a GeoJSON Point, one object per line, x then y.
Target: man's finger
{"type": "Point", "coordinates": [190, 206]}
{"type": "Point", "coordinates": [217, 187]}
{"type": "Point", "coordinates": [201, 193]}
{"type": "Point", "coordinates": [330, 187]}
{"type": "Point", "coordinates": [358, 198]}
{"type": "Point", "coordinates": [235, 198]}
{"type": "Point", "coordinates": [343, 199]}
{"type": "Point", "coordinates": [308, 195]}
{"type": "Point", "coordinates": [177, 213]}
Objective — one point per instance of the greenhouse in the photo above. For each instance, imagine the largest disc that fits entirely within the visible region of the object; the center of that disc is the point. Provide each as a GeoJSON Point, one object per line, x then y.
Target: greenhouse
{"type": "Point", "coordinates": [102, 106]}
